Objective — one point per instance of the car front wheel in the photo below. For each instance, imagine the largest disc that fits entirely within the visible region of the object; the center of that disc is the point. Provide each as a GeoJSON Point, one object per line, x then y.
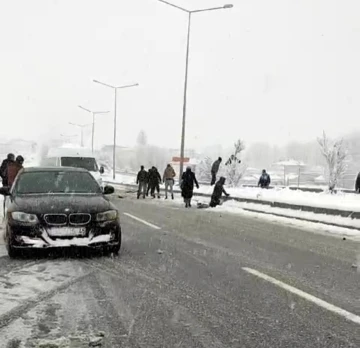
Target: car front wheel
{"type": "Point", "coordinates": [115, 249]}
{"type": "Point", "coordinates": [12, 252]}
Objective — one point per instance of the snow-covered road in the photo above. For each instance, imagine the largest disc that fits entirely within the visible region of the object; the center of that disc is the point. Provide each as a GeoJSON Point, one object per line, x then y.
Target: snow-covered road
{"type": "Point", "coordinates": [187, 278]}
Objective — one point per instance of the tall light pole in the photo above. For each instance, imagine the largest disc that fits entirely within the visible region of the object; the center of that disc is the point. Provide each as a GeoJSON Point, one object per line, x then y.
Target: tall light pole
{"type": "Point", "coordinates": [115, 88]}
{"type": "Point", "coordinates": [189, 12]}
{"type": "Point", "coordinates": [82, 130]}
{"type": "Point", "coordinates": [94, 113]}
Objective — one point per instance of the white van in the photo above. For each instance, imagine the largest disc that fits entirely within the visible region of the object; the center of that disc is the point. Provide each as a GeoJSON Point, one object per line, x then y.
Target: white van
{"type": "Point", "coordinates": [73, 157]}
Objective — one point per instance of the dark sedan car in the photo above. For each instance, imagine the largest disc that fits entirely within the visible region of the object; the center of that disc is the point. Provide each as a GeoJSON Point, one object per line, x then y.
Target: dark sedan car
{"type": "Point", "coordinates": [59, 207]}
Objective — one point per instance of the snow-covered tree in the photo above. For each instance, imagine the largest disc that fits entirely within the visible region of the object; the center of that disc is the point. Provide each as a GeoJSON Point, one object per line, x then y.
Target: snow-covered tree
{"type": "Point", "coordinates": [335, 154]}
{"type": "Point", "coordinates": [234, 169]}
{"type": "Point", "coordinates": [204, 169]}
{"type": "Point", "coordinates": [141, 139]}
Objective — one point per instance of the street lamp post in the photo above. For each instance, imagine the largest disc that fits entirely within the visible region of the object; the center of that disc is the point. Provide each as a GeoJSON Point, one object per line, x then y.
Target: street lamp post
{"type": "Point", "coordinates": [82, 130]}
{"type": "Point", "coordinates": [189, 12]}
{"type": "Point", "coordinates": [115, 88]}
{"type": "Point", "coordinates": [94, 113]}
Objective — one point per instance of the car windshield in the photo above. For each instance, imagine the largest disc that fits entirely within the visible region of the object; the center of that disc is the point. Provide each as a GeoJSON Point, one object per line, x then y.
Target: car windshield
{"type": "Point", "coordinates": [56, 182]}
{"type": "Point", "coordinates": [88, 163]}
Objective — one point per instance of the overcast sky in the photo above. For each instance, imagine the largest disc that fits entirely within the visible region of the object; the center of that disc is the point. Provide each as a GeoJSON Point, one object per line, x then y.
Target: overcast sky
{"type": "Point", "coordinates": [265, 70]}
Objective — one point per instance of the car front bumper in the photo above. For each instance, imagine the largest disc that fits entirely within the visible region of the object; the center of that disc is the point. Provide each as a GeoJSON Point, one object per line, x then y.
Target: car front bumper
{"type": "Point", "coordinates": [21, 237]}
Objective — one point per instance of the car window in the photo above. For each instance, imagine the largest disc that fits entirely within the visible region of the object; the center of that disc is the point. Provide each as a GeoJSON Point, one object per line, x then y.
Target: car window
{"type": "Point", "coordinates": [56, 182]}
{"type": "Point", "coordinates": [88, 163]}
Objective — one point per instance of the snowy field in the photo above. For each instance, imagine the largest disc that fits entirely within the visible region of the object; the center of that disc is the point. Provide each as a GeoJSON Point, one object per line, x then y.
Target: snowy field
{"type": "Point", "coordinates": [340, 201]}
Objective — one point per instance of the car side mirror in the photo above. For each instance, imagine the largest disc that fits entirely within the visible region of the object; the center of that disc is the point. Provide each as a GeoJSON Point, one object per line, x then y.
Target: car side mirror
{"type": "Point", "coordinates": [108, 190]}
{"type": "Point", "coordinates": [102, 170]}
{"type": "Point", "coordinates": [5, 191]}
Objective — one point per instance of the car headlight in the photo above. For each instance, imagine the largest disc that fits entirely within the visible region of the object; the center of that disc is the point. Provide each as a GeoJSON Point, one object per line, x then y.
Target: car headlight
{"type": "Point", "coordinates": [24, 217]}
{"type": "Point", "coordinates": [107, 215]}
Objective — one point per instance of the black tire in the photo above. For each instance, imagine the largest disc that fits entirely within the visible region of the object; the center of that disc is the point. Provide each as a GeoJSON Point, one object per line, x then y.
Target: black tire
{"type": "Point", "coordinates": [115, 249]}
{"type": "Point", "coordinates": [12, 252]}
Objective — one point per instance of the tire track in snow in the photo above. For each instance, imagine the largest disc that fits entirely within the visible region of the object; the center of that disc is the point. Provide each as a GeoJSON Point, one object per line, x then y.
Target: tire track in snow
{"type": "Point", "coordinates": [182, 315]}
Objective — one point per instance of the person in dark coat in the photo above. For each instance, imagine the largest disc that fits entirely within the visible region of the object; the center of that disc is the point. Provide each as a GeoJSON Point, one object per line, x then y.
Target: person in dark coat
{"type": "Point", "coordinates": [148, 185]}
{"type": "Point", "coordinates": [217, 193]}
{"type": "Point", "coordinates": [214, 170]}
{"type": "Point", "coordinates": [13, 169]}
{"type": "Point", "coordinates": [264, 180]}
{"type": "Point", "coordinates": [188, 180]}
{"type": "Point", "coordinates": [357, 184]}
{"type": "Point", "coordinates": [4, 166]}
{"type": "Point", "coordinates": [154, 182]}
{"type": "Point", "coordinates": [142, 180]}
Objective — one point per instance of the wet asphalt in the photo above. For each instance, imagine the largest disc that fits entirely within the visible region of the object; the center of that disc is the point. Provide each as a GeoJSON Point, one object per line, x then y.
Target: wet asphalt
{"type": "Point", "coordinates": [180, 282]}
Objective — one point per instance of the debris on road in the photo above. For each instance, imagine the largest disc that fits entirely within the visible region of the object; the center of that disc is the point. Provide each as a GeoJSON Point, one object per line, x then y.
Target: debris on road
{"type": "Point", "coordinates": [95, 342]}
{"type": "Point", "coordinates": [160, 251]}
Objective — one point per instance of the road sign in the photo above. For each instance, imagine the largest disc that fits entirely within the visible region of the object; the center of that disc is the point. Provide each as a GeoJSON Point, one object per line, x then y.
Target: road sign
{"type": "Point", "coordinates": [177, 159]}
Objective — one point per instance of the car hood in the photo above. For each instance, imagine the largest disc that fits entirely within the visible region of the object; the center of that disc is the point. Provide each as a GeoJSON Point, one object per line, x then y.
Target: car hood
{"type": "Point", "coordinates": [45, 204]}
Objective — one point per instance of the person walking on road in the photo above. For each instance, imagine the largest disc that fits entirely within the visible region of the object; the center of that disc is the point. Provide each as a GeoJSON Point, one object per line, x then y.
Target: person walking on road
{"type": "Point", "coordinates": [188, 180]}
{"type": "Point", "coordinates": [4, 168]}
{"type": "Point", "coordinates": [13, 169]}
{"type": "Point", "coordinates": [264, 181]}
{"type": "Point", "coordinates": [142, 180]}
{"type": "Point", "coordinates": [154, 182]}
{"type": "Point", "coordinates": [217, 193]}
{"type": "Point", "coordinates": [168, 178]}
{"type": "Point", "coordinates": [214, 170]}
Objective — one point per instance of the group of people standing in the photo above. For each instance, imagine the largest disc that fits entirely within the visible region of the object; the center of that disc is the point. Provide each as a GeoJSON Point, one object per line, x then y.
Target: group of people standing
{"type": "Point", "coordinates": [150, 181]}
{"type": "Point", "coordinates": [9, 169]}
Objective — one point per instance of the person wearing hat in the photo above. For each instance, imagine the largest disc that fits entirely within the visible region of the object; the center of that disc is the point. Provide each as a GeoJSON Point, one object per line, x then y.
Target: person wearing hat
{"type": "Point", "coordinates": [187, 186]}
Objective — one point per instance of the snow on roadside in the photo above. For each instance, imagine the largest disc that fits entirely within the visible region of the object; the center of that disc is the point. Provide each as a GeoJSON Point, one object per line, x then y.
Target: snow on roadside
{"type": "Point", "coordinates": [332, 219]}
{"type": "Point", "coordinates": [234, 207]}
{"type": "Point", "coordinates": [238, 208]}
{"type": "Point", "coordinates": [340, 201]}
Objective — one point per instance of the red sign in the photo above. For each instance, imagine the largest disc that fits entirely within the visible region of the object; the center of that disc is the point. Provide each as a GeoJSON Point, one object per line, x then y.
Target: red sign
{"type": "Point", "coordinates": [177, 159]}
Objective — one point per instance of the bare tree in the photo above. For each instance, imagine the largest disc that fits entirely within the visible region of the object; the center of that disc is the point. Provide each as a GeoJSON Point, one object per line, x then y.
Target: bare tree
{"type": "Point", "coordinates": [335, 154]}
{"type": "Point", "coordinates": [234, 168]}
{"type": "Point", "coordinates": [204, 169]}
